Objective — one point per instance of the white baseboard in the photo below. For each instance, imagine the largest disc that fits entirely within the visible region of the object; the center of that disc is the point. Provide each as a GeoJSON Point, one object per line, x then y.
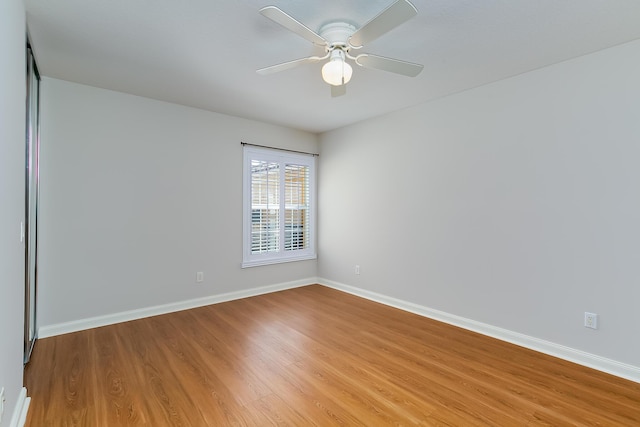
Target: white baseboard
{"type": "Point", "coordinates": [610, 366]}
{"type": "Point", "coordinates": [20, 412]}
{"type": "Point", "coordinates": [125, 316]}
{"type": "Point", "coordinates": [603, 364]}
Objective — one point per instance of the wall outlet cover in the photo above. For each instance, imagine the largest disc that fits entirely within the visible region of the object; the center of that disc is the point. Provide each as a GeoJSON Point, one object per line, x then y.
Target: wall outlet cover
{"type": "Point", "coordinates": [591, 320]}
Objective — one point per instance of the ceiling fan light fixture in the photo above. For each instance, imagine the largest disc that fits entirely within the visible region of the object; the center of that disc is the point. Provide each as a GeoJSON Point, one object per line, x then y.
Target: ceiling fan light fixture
{"type": "Point", "coordinates": [339, 37]}
{"type": "Point", "coordinates": [337, 71]}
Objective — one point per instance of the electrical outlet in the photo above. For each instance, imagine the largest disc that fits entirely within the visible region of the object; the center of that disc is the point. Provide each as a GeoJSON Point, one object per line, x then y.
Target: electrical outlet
{"type": "Point", "coordinates": [590, 320]}
{"type": "Point", "coordinates": [200, 277]}
{"type": "Point", "coordinates": [357, 269]}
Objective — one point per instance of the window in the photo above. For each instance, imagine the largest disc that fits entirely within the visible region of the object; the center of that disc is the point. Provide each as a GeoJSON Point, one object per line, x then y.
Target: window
{"type": "Point", "coordinates": [278, 214]}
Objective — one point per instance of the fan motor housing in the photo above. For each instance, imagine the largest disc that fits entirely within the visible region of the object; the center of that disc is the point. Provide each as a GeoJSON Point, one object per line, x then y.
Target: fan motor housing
{"type": "Point", "coordinates": [337, 34]}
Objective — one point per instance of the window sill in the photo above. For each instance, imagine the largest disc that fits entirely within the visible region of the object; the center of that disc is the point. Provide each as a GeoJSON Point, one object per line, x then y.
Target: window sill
{"type": "Point", "coordinates": [279, 260]}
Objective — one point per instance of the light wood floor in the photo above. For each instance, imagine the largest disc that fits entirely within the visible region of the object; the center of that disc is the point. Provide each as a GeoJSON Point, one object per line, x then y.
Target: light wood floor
{"type": "Point", "coordinates": [311, 356]}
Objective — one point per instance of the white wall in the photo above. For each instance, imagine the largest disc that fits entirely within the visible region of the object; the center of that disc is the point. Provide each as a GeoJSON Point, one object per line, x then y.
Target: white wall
{"type": "Point", "coordinates": [12, 162]}
{"type": "Point", "coordinates": [137, 196]}
{"type": "Point", "coordinates": [516, 204]}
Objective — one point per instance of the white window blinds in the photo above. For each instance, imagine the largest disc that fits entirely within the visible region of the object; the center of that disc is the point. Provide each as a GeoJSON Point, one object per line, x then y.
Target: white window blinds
{"type": "Point", "coordinates": [278, 206]}
{"type": "Point", "coordinates": [265, 206]}
{"type": "Point", "coordinates": [296, 208]}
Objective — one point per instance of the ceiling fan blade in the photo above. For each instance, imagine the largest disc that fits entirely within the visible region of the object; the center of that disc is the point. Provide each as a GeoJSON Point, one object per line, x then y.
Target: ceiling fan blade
{"type": "Point", "coordinates": [287, 65]}
{"type": "Point", "coordinates": [338, 90]}
{"type": "Point", "coordinates": [290, 23]}
{"type": "Point", "coordinates": [396, 14]}
{"type": "Point", "coordinates": [387, 64]}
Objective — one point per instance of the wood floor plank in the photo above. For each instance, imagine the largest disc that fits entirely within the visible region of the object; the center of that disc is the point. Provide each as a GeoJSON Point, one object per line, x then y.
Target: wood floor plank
{"type": "Point", "coordinates": [311, 356]}
{"type": "Point", "coordinates": [115, 402]}
{"type": "Point", "coordinates": [272, 410]}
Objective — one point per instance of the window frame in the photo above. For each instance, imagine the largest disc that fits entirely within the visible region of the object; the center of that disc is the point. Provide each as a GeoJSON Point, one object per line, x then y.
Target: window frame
{"type": "Point", "coordinates": [282, 157]}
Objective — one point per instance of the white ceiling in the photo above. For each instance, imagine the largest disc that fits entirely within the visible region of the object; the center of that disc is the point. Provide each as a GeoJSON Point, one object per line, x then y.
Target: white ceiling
{"type": "Point", "coordinates": [204, 53]}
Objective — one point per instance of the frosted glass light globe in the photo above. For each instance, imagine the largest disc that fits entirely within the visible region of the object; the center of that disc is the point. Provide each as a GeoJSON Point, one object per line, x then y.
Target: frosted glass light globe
{"type": "Point", "coordinates": [337, 72]}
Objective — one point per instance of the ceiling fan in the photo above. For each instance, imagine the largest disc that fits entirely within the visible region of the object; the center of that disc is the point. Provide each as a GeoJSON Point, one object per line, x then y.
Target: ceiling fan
{"type": "Point", "coordinates": [340, 38]}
